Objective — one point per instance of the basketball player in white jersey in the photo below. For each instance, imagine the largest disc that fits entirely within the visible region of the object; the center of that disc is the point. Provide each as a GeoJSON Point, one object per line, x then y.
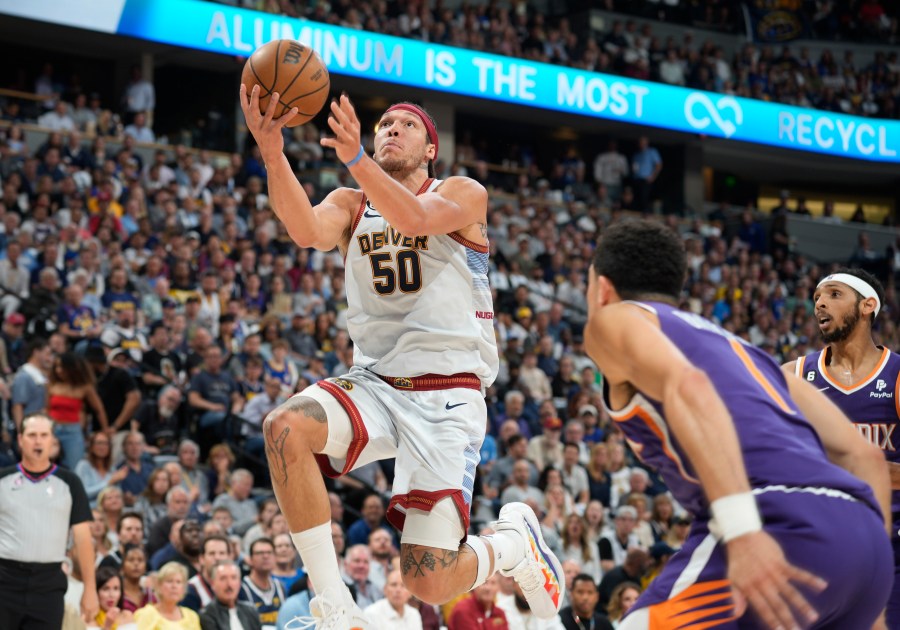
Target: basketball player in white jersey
{"type": "Point", "coordinates": [421, 318]}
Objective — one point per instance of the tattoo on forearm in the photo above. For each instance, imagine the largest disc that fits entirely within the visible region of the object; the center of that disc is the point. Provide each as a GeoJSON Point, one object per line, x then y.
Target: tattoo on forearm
{"type": "Point", "coordinates": [306, 405]}
{"type": "Point", "coordinates": [483, 227]}
{"type": "Point", "coordinates": [275, 452]}
{"type": "Point", "coordinates": [429, 561]}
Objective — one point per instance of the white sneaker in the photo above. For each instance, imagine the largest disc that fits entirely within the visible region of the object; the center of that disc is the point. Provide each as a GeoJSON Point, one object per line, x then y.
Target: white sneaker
{"type": "Point", "coordinates": [540, 573]}
{"type": "Point", "coordinates": [331, 611]}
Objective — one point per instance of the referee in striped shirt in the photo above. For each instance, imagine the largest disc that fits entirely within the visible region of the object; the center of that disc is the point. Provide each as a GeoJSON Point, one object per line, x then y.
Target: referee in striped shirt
{"type": "Point", "coordinates": [39, 502]}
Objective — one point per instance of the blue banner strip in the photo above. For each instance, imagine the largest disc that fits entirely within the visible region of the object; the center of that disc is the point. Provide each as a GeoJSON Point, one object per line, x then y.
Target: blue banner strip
{"type": "Point", "coordinates": [227, 30]}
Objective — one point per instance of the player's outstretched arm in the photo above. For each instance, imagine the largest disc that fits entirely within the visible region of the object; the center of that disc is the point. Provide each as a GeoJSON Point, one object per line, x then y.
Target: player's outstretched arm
{"type": "Point", "coordinates": [323, 226]}
{"type": "Point", "coordinates": [843, 443]}
{"type": "Point", "coordinates": [628, 347]}
{"type": "Point", "coordinates": [457, 204]}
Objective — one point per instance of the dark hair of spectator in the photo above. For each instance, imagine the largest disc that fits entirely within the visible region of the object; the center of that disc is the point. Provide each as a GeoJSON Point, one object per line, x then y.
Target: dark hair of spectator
{"type": "Point", "coordinates": [572, 445]}
{"type": "Point", "coordinates": [70, 369]}
{"type": "Point", "coordinates": [514, 439]}
{"type": "Point", "coordinates": [264, 540]}
{"type": "Point", "coordinates": [583, 577]}
{"type": "Point", "coordinates": [544, 479]}
{"type": "Point", "coordinates": [869, 279]}
{"type": "Point", "coordinates": [642, 259]}
{"type": "Point", "coordinates": [218, 537]}
{"type": "Point", "coordinates": [35, 345]}
{"type": "Point", "coordinates": [104, 575]}
{"type": "Point", "coordinates": [93, 459]}
{"type": "Point", "coordinates": [127, 515]}
{"type": "Point", "coordinates": [129, 547]}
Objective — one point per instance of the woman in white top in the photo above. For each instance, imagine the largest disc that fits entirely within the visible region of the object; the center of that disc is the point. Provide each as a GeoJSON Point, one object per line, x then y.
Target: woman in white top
{"type": "Point", "coordinates": [595, 520]}
{"type": "Point", "coordinates": [578, 547]}
{"type": "Point", "coordinates": [95, 468]}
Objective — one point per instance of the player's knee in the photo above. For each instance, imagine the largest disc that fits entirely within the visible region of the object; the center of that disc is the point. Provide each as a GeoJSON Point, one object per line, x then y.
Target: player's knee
{"type": "Point", "coordinates": [430, 589]}
{"type": "Point", "coordinates": [300, 419]}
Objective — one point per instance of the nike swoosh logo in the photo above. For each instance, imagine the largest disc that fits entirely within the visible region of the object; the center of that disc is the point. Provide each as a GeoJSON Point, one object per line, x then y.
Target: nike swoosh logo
{"type": "Point", "coordinates": [822, 389]}
{"type": "Point", "coordinates": [371, 216]}
{"type": "Point", "coordinates": [448, 406]}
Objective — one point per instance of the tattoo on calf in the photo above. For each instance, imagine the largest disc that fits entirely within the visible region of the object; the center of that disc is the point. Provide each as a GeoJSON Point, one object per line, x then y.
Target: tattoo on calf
{"type": "Point", "coordinates": [429, 561]}
{"type": "Point", "coordinates": [483, 227]}
{"type": "Point", "coordinates": [275, 452]}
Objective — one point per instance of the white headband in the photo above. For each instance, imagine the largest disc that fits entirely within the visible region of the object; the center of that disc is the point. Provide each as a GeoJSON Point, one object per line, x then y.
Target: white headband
{"type": "Point", "coordinates": [857, 284]}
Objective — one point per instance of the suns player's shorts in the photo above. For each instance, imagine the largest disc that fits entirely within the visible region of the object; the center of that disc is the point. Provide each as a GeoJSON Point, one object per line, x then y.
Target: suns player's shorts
{"type": "Point", "coordinates": [434, 425]}
{"type": "Point", "coordinates": [838, 538]}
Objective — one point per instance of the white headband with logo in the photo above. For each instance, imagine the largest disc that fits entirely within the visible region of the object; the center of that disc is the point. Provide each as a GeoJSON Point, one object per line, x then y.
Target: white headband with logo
{"type": "Point", "coordinates": [857, 284]}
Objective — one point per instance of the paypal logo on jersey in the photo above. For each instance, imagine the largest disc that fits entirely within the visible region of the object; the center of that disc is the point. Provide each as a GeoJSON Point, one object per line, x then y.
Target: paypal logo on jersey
{"type": "Point", "coordinates": [880, 386]}
{"type": "Point", "coordinates": [713, 113]}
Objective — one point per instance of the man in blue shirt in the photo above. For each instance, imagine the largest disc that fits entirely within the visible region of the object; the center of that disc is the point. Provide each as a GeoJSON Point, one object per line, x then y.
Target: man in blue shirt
{"type": "Point", "coordinates": [134, 472]}
{"type": "Point", "coordinates": [372, 517]}
{"type": "Point", "coordinates": [214, 395]}
{"type": "Point", "coordinates": [646, 166]}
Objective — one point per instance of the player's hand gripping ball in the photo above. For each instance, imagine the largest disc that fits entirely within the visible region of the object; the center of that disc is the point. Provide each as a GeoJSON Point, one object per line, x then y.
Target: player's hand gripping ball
{"type": "Point", "coordinates": [295, 71]}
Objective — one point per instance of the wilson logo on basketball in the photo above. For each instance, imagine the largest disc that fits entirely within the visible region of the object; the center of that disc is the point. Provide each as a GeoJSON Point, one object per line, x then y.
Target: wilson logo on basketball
{"type": "Point", "coordinates": [293, 54]}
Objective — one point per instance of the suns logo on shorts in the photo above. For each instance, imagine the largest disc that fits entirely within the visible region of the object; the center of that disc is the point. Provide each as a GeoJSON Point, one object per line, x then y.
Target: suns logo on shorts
{"type": "Point", "coordinates": [342, 383]}
{"type": "Point", "coordinates": [403, 382]}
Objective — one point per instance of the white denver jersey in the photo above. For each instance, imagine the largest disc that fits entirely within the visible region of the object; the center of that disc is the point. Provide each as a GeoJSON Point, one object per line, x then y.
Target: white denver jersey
{"type": "Point", "coordinates": [418, 304]}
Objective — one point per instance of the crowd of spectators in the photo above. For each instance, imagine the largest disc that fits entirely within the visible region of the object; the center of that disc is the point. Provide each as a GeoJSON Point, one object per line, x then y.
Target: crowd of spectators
{"type": "Point", "coordinates": [157, 311]}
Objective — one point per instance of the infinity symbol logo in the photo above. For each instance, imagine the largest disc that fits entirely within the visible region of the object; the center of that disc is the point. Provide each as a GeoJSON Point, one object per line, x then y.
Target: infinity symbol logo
{"type": "Point", "coordinates": [712, 113]}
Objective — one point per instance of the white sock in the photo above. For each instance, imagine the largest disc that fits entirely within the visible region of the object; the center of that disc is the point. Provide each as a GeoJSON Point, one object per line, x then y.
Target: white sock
{"type": "Point", "coordinates": [483, 570]}
{"type": "Point", "coordinates": [319, 557]}
{"type": "Point", "coordinates": [508, 549]}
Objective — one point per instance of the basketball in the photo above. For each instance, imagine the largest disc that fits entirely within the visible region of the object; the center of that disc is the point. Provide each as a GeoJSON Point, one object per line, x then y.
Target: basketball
{"type": "Point", "coordinates": [295, 71]}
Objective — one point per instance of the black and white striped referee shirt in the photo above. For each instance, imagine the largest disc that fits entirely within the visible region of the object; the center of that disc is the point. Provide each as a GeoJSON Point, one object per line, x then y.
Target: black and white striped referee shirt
{"type": "Point", "coordinates": [36, 512]}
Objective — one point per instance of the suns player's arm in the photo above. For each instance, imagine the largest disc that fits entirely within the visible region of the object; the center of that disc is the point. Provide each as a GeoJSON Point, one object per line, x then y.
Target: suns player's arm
{"type": "Point", "coordinates": [629, 348]}
{"type": "Point", "coordinates": [844, 445]}
{"type": "Point", "coordinates": [790, 370]}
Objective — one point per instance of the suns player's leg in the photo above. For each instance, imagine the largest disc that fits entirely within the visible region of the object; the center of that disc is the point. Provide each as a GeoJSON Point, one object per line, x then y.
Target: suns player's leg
{"type": "Point", "coordinates": [294, 433]}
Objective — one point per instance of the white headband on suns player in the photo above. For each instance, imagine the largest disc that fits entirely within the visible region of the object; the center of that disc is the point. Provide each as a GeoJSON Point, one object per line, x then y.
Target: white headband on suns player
{"type": "Point", "coordinates": [857, 284]}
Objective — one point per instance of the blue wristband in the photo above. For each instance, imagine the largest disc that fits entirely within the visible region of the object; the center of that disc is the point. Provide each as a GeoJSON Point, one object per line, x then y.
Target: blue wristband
{"type": "Point", "coordinates": [358, 157]}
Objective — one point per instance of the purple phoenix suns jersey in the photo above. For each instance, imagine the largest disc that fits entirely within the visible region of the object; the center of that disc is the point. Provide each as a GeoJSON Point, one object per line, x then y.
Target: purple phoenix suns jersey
{"type": "Point", "coordinates": [781, 449]}
{"type": "Point", "coordinates": [871, 403]}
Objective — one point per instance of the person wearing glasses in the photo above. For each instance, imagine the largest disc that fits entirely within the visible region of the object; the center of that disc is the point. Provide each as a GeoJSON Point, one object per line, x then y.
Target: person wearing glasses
{"type": "Point", "coordinates": [259, 587]}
